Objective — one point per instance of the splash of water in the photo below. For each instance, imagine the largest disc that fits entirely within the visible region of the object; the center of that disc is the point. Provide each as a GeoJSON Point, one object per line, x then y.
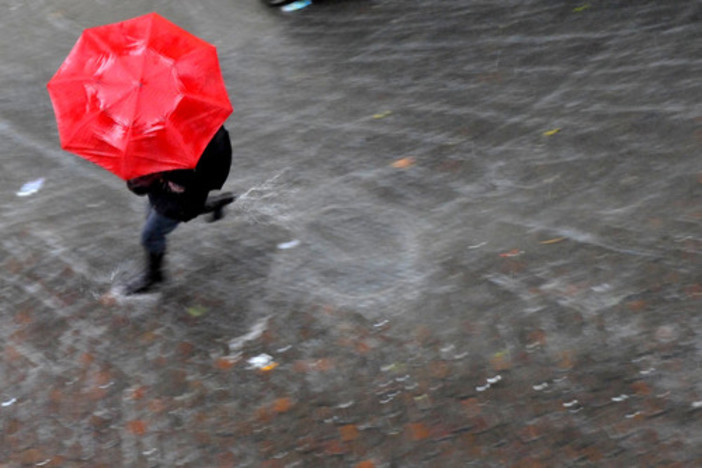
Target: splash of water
{"type": "Point", "coordinates": [267, 202]}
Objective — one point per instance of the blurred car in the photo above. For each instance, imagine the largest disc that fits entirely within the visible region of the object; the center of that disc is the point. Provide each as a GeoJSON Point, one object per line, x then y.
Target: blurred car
{"type": "Point", "coordinates": [277, 3]}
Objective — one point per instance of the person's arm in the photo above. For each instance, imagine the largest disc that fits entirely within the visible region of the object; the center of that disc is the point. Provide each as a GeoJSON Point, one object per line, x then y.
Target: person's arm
{"type": "Point", "coordinates": [179, 181]}
{"type": "Point", "coordinates": [144, 184]}
{"type": "Point", "coordinates": [175, 188]}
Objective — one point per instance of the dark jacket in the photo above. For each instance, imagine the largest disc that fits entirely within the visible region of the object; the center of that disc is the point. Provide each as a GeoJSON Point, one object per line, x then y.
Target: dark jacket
{"type": "Point", "coordinates": [181, 194]}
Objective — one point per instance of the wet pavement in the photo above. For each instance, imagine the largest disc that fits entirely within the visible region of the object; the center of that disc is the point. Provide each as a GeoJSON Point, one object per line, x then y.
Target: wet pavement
{"type": "Point", "coordinates": [469, 235]}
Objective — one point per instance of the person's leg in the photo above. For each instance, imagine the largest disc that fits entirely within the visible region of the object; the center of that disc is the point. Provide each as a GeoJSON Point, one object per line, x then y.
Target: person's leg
{"type": "Point", "coordinates": [215, 204]}
{"type": "Point", "coordinates": [156, 228]}
{"type": "Point", "coordinates": [153, 239]}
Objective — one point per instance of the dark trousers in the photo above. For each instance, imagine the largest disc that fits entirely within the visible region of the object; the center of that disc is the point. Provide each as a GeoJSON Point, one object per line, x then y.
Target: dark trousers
{"type": "Point", "coordinates": [156, 228]}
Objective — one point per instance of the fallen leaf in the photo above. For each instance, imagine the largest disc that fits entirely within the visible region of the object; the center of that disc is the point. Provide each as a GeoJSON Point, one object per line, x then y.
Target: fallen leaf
{"type": "Point", "coordinates": [269, 367]}
{"type": "Point", "coordinates": [334, 447]}
{"type": "Point", "coordinates": [552, 132]}
{"type": "Point", "coordinates": [226, 362]}
{"type": "Point", "coordinates": [148, 337]}
{"type": "Point", "coordinates": [418, 431]}
{"type": "Point", "coordinates": [324, 365]}
{"type": "Point", "coordinates": [86, 359]}
{"type": "Point", "coordinates": [511, 253]}
{"type": "Point", "coordinates": [566, 360]}
{"type": "Point", "coordinates": [553, 241]}
{"type": "Point", "coordinates": [282, 405]}
{"type": "Point", "coordinates": [362, 347]}
{"type": "Point", "coordinates": [12, 426]}
{"type": "Point", "coordinates": [157, 405]}
{"type": "Point", "coordinates": [197, 311]}
{"type": "Point", "coordinates": [186, 349]}
{"type": "Point", "coordinates": [501, 361]}
{"type": "Point", "coordinates": [301, 366]}
{"type": "Point", "coordinates": [636, 306]}
{"type": "Point", "coordinates": [55, 396]}
{"type": "Point", "coordinates": [103, 378]}
{"type": "Point", "coordinates": [382, 115]}
{"type": "Point", "coordinates": [137, 427]}
{"type": "Point", "coordinates": [349, 432]}
{"type": "Point", "coordinates": [404, 163]}
{"type": "Point", "coordinates": [263, 414]}
{"type": "Point", "coordinates": [31, 456]}
{"type": "Point", "coordinates": [365, 464]}
{"type": "Point", "coordinates": [138, 393]}
{"type": "Point", "coordinates": [641, 388]}
{"type": "Point", "coordinates": [581, 8]}
{"type": "Point", "coordinates": [537, 337]}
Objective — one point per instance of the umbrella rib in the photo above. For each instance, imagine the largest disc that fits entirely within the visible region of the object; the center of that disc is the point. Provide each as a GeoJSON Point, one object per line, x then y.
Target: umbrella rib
{"type": "Point", "coordinates": [204, 97]}
{"type": "Point", "coordinates": [211, 102]}
{"type": "Point", "coordinates": [88, 118]}
{"type": "Point", "coordinates": [78, 129]}
{"type": "Point", "coordinates": [147, 38]}
{"type": "Point", "coordinates": [94, 35]}
{"type": "Point", "coordinates": [179, 136]}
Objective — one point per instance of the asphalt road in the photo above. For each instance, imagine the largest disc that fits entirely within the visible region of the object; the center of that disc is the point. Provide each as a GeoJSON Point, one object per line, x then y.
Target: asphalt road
{"type": "Point", "coordinates": [468, 235]}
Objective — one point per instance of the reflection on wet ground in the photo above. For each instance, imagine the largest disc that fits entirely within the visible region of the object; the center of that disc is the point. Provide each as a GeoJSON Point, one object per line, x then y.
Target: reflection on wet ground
{"type": "Point", "coordinates": [468, 234]}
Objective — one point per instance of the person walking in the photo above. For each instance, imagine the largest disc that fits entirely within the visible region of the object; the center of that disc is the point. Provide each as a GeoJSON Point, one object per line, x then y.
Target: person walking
{"type": "Point", "coordinates": [176, 197]}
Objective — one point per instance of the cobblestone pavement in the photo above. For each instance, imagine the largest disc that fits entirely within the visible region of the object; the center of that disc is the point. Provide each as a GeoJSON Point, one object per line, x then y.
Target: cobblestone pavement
{"type": "Point", "coordinates": [468, 235]}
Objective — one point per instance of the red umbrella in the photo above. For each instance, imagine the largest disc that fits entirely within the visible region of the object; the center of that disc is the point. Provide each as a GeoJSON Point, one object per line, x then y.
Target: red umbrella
{"type": "Point", "coordinates": [139, 96]}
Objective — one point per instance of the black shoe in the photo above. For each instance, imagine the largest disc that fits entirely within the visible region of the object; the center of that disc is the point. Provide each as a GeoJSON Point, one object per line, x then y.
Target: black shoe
{"type": "Point", "coordinates": [150, 278]}
{"type": "Point", "coordinates": [215, 204]}
{"type": "Point", "coordinates": [141, 284]}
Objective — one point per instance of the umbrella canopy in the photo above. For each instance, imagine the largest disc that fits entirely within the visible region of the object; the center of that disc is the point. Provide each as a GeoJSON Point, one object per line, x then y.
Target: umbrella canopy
{"type": "Point", "coordinates": [216, 161]}
{"type": "Point", "coordinates": [139, 96]}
